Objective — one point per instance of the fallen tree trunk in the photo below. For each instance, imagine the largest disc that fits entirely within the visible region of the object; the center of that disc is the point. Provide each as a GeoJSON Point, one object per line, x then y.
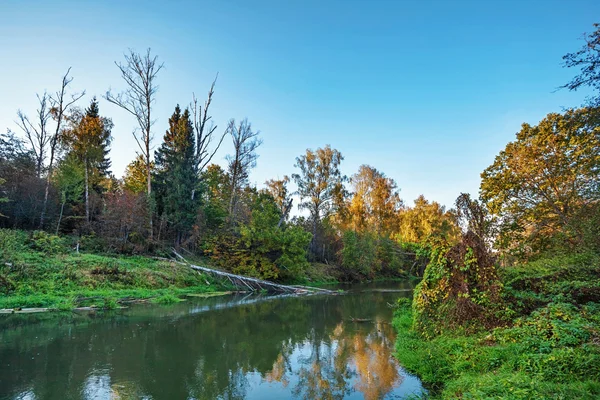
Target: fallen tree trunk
{"type": "Point", "coordinates": [254, 284]}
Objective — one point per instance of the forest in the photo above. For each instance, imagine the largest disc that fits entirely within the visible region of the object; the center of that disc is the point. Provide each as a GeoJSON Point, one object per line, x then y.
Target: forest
{"type": "Point", "coordinates": [508, 300]}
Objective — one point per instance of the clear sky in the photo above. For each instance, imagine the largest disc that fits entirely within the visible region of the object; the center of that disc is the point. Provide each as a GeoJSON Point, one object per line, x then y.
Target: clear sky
{"type": "Point", "coordinates": [426, 91]}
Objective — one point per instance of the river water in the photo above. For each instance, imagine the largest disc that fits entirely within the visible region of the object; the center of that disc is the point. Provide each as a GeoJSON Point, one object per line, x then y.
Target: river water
{"type": "Point", "coordinates": [229, 347]}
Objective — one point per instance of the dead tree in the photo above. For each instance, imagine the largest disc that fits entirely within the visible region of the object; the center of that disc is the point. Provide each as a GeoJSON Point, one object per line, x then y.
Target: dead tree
{"type": "Point", "coordinates": [205, 131]}
{"type": "Point", "coordinates": [60, 103]}
{"type": "Point", "coordinates": [245, 143]}
{"type": "Point", "coordinates": [37, 133]}
{"type": "Point", "coordinates": [139, 73]}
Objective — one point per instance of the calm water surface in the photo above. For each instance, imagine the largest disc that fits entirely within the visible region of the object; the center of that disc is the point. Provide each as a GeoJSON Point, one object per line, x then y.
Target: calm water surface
{"type": "Point", "coordinates": [233, 347]}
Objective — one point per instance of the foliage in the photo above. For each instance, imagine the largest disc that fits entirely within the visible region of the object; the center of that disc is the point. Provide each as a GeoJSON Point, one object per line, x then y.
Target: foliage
{"type": "Point", "coordinates": [427, 224]}
{"type": "Point", "coordinates": [262, 248]}
{"type": "Point", "coordinates": [375, 202]}
{"type": "Point", "coordinates": [538, 183]}
{"type": "Point", "coordinates": [175, 178]}
{"type": "Point", "coordinates": [134, 179]}
{"type": "Point", "coordinates": [370, 255]}
{"type": "Point", "coordinates": [460, 286]}
{"type": "Point", "coordinates": [47, 243]}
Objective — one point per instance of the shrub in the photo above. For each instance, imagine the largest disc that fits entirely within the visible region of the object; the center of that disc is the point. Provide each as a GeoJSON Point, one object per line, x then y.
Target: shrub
{"type": "Point", "coordinates": [47, 243]}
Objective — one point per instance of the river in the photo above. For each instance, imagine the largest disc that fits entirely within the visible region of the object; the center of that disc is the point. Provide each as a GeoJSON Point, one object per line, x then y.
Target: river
{"type": "Point", "coordinates": [229, 347]}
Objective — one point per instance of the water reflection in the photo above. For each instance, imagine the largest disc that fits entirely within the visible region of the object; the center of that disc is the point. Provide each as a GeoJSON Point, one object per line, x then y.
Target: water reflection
{"type": "Point", "coordinates": [268, 348]}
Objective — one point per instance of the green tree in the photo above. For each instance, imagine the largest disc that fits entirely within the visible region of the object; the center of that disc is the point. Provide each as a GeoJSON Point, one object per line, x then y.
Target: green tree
{"type": "Point", "coordinates": [176, 178]}
{"type": "Point", "coordinates": [69, 179]}
{"type": "Point", "coordinates": [537, 184]}
{"type": "Point", "coordinates": [320, 184]}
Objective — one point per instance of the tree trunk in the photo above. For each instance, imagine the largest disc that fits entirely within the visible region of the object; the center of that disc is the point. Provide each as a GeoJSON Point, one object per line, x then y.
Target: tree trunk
{"type": "Point", "coordinates": [87, 193]}
{"type": "Point", "coordinates": [47, 191]}
{"type": "Point", "coordinates": [62, 207]}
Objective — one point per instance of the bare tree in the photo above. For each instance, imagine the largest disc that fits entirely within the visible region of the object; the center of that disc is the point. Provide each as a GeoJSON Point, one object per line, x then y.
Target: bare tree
{"type": "Point", "coordinates": [37, 133]}
{"type": "Point", "coordinates": [60, 103]}
{"type": "Point", "coordinates": [245, 143]}
{"type": "Point", "coordinates": [205, 130]}
{"type": "Point", "coordinates": [139, 73]}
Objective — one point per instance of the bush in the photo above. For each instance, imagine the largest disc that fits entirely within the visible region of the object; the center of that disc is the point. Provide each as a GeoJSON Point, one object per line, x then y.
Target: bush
{"type": "Point", "coordinates": [47, 243]}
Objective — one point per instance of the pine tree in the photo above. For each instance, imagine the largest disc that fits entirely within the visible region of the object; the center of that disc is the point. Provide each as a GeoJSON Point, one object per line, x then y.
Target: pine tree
{"type": "Point", "coordinates": [175, 179]}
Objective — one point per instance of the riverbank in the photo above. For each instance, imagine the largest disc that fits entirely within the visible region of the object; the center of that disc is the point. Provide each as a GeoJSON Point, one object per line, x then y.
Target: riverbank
{"type": "Point", "coordinates": [41, 273]}
{"type": "Point", "coordinates": [549, 350]}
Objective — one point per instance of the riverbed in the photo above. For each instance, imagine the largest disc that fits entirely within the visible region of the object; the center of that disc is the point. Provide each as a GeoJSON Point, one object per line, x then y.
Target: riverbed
{"type": "Point", "coordinates": [231, 347]}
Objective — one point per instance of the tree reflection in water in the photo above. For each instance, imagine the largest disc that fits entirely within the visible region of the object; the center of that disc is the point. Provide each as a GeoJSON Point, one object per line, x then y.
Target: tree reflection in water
{"type": "Point", "coordinates": [298, 347]}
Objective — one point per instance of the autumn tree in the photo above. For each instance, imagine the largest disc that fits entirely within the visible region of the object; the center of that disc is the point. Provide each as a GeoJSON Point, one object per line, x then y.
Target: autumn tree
{"type": "Point", "coordinates": [134, 178]}
{"type": "Point", "coordinates": [375, 202]}
{"type": "Point", "coordinates": [88, 139]}
{"type": "Point", "coordinates": [539, 181]}
{"type": "Point", "coordinates": [320, 184]}
{"type": "Point", "coordinates": [175, 176]}
{"type": "Point", "coordinates": [426, 223]}
{"type": "Point", "coordinates": [587, 60]}
{"type": "Point", "coordinates": [245, 142]}
{"type": "Point", "coordinates": [278, 189]}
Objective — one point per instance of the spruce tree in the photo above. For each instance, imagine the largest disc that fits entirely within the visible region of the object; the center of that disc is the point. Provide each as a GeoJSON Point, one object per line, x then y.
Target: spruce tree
{"type": "Point", "coordinates": [176, 178]}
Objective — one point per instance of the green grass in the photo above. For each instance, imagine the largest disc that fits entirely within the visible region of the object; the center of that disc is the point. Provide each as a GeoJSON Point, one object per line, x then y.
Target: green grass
{"type": "Point", "coordinates": [36, 275]}
{"type": "Point", "coordinates": [551, 350]}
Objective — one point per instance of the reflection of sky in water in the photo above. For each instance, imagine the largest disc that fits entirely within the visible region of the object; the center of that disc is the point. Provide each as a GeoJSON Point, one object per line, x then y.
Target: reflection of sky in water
{"type": "Point", "coordinates": [235, 347]}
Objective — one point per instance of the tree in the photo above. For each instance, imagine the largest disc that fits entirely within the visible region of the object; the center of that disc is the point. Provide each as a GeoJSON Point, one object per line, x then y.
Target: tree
{"type": "Point", "coordinates": [70, 181]}
{"type": "Point", "coordinates": [587, 59]}
{"type": "Point", "coordinates": [278, 189]}
{"type": "Point", "coordinates": [89, 140]}
{"type": "Point", "coordinates": [139, 73]}
{"type": "Point", "coordinates": [245, 143]}
{"type": "Point", "coordinates": [176, 177]}
{"type": "Point", "coordinates": [375, 202]}
{"type": "Point", "coordinates": [37, 133]}
{"type": "Point", "coordinates": [538, 182]}
{"type": "Point", "coordinates": [319, 182]}
{"type": "Point", "coordinates": [60, 104]}
{"type": "Point", "coordinates": [134, 179]}
{"type": "Point", "coordinates": [205, 131]}
{"type": "Point", "coordinates": [22, 186]}
{"type": "Point", "coordinates": [426, 223]}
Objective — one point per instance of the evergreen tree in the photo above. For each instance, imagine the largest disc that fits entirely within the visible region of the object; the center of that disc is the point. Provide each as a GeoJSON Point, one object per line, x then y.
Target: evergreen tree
{"type": "Point", "coordinates": [176, 180]}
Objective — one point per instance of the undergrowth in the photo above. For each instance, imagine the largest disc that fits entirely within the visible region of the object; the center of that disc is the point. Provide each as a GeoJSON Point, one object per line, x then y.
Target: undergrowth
{"type": "Point", "coordinates": [549, 350]}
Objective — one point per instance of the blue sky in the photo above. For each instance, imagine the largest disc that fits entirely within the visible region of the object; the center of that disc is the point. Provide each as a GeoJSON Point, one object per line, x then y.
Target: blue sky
{"type": "Point", "coordinates": [426, 91]}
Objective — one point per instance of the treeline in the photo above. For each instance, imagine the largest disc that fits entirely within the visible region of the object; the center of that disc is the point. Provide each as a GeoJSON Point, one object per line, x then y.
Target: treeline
{"type": "Point", "coordinates": [55, 175]}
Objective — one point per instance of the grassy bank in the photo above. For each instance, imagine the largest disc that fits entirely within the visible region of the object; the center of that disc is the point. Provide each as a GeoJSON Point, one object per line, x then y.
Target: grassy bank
{"type": "Point", "coordinates": [40, 271]}
{"type": "Point", "coordinates": [550, 349]}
